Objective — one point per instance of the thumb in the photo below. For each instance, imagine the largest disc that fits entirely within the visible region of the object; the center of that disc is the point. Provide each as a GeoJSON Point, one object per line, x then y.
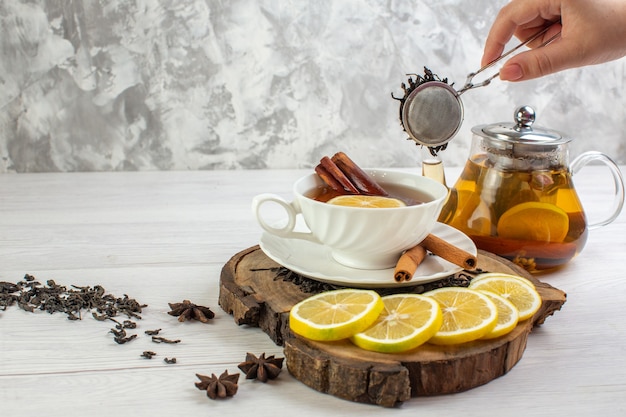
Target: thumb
{"type": "Point", "coordinates": [539, 62]}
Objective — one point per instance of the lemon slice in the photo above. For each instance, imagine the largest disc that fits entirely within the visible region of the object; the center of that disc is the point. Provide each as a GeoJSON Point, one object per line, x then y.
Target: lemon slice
{"type": "Point", "coordinates": [335, 315]}
{"type": "Point", "coordinates": [467, 315]}
{"type": "Point", "coordinates": [407, 321]}
{"type": "Point", "coordinates": [534, 220]}
{"type": "Point", "coordinates": [366, 201]}
{"type": "Point", "coordinates": [508, 316]}
{"type": "Point", "coordinates": [523, 296]}
{"type": "Point", "coordinates": [501, 274]}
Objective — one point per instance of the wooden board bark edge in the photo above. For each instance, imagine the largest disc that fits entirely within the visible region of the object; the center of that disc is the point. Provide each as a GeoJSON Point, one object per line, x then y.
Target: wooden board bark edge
{"type": "Point", "coordinates": [252, 292]}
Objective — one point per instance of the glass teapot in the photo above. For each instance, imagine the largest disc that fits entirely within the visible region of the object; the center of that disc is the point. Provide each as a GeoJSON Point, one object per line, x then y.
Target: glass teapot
{"type": "Point", "coordinates": [515, 196]}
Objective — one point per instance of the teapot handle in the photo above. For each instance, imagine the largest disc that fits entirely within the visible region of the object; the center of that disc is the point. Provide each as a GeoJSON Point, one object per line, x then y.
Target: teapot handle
{"type": "Point", "coordinates": [618, 203]}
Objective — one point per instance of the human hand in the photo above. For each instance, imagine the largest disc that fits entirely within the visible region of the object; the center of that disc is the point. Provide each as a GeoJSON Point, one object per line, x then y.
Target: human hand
{"type": "Point", "coordinates": [592, 32]}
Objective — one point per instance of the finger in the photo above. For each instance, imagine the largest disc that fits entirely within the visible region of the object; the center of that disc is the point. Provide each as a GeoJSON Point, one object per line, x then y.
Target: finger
{"type": "Point", "coordinates": [553, 31]}
{"type": "Point", "coordinates": [501, 32]}
{"type": "Point", "coordinates": [521, 18]}
{"type": "Point", "coordinates": [524, 33]}
{"type": "Point", "coordinates": [539, 62]}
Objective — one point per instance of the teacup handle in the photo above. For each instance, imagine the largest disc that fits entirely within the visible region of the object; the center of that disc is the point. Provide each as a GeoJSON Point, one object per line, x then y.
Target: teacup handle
{"type": "Point", "coordinates": [292, 210]}
{"type": "Point", "coordinates": [618, 202]}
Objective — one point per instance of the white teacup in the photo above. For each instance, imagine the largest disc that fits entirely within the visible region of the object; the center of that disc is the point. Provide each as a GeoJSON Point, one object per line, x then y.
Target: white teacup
{"type": "Point", "coordinates": [364, 238]}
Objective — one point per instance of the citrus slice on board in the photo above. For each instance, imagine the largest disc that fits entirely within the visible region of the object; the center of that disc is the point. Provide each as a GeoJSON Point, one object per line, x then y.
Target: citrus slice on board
{"type": "Point", "coordinates": [467, 315]}
{"type": "Point", "coordinates": [535, 220]}
{"type": "Point", "coordinates": [335, 315]}
{"type": "Point", "coordinates": [407, 321]}
{"type": "Point", "coordinates": [501, 274]}
{"type": "Point", "coordinates": [366, 201]}
{"type": "Point", "coordinates": [524, 297]}
{"type": "Point", "coordinates": [508, 316]}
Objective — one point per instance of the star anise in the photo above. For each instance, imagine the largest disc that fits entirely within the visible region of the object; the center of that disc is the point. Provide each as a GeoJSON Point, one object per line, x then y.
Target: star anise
{"type": "Point", "coordinates": [218, 387]}
{"type": "Point", "coordinates": [189, 311]}
{"type": "Point", "coordinates": [261, 368]}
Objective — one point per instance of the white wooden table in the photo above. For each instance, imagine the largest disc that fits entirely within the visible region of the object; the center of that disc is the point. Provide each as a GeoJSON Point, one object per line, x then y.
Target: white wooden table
{"type": "Point", "coordinates": [163, 237]}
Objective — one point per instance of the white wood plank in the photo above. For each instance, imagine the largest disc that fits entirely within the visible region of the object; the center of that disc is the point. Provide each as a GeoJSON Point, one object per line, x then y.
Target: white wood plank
{"type": "Point", "coordinates": [164, 236]}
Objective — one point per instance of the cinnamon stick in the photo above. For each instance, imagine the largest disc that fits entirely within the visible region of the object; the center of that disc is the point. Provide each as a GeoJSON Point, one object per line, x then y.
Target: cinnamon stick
{"type": "Point", "coordinates": [329, 180]}
{"type": "Point", "coordinates": [408, 263]}
{"type": "Point", "coordinates": [359, 178]}
{"type": "Point", "coordinates": [336, 178]}
{"type": "Point", "coordinates": [413, 257]}
{"type": "Point", "coordinates": [345, 177]}
{"type": "Point", "coordinates": [449, 252]}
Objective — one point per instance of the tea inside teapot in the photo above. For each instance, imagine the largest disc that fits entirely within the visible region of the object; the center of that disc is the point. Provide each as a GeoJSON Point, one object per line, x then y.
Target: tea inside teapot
{"type": "Point", "coordinates": [515, 196]}
{"type": "Point", "coordinates": [533, 218]}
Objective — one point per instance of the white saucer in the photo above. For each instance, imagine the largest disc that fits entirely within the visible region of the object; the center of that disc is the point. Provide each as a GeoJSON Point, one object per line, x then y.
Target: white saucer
{"type": "Point", "coordinates": [315, 261]}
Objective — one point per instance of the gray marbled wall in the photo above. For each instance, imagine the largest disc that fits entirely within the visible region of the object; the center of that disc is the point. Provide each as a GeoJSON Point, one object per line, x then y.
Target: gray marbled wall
{"type": "Point", "coordinates": [218, 84]}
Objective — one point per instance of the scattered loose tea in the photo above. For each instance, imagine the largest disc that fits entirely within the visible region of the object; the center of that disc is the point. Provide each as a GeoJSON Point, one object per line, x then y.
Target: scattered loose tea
{"type": "Point", "coordinates": [100, 317]}
{"type": "Point", "coordinates": [159, 339]}
{"type": "Point", "coordinates": [148, 354]}
{"type": "Point", "coordinates": [120, 331]}
{"type": "Point", "coordinates": [169, 360]}
{"type": "Point", "coordinates": [31, 295]}
{"type": "Point", "coordinates": [129, 324]}
{"type": "Point", "coordinates": [261, 368]}
{"type": "Point", "coordinates": [152, 332]}
{"type": "Point", "coordinates": [307, 285]}
{"type": "Point", "coordinates": [120, 336]}
{"type": "Point", "coordinates": [218, 387]}
{"type": "Point", "coordinates": [122, 340]}
{"type": "Point", "coordinates": [7, 296]}
{"type": "Point", "coordinates": [189, 311]}
{"type": "Point", "coordinates": [126, 324]}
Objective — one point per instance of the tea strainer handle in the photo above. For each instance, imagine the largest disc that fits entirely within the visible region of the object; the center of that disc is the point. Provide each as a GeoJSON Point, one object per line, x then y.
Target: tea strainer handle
{"type": "Point", "coordinates": [469, 84]}
{"type": "Point", "coordinates": [432, 113]}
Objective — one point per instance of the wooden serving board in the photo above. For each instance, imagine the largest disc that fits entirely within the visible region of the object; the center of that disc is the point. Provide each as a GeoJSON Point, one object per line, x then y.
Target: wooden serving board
{"type": "Point", "coordinates": [260, 293]}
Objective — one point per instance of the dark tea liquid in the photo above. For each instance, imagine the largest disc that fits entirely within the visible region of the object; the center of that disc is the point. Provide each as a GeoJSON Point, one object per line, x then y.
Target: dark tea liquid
{"type": "Point", "coordinates": [409, 196]}
{"type": "Point", "coordinates": [536, 239]}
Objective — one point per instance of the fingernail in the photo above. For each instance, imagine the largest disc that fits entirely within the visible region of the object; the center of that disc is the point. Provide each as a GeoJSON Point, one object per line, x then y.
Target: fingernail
{"type": "Point", "coordinates": [511, 72]}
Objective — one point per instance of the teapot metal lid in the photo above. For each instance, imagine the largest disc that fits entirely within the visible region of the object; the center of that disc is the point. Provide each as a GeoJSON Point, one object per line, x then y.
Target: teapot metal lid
{"type": "Point", "coordinates": [522, 132]}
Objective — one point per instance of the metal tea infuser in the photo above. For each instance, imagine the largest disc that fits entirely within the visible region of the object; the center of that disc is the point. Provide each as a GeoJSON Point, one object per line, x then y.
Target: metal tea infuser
{"type": "Point", "coordinates": [432, 112]}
